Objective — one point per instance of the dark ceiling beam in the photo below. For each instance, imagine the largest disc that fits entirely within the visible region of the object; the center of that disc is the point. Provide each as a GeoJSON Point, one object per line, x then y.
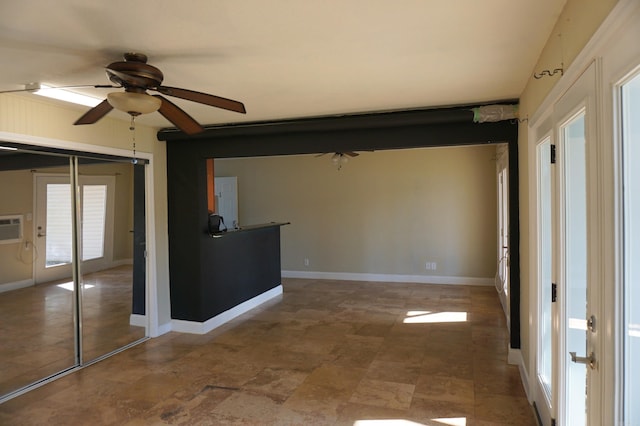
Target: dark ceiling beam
{"type": "Point", "coordinates": [394, 119]}
{"type": "Point", "coordinates": [380, 131]}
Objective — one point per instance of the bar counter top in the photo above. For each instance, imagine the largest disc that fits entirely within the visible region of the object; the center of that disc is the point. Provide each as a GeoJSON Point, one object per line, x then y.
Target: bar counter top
{"type": "Point", "coordinates": [246, 228]}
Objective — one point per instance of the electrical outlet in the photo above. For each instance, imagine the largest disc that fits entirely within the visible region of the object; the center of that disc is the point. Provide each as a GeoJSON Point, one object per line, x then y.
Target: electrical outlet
{"type": "Point", "coordinates": [427, 266]}
{"type": "Point", "coordinates": [306, 261]}
{"type": "Point", "coordinates": [434, 266]}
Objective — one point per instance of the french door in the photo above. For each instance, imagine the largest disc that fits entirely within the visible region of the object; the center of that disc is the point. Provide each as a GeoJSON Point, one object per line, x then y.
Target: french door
{"type": "Point", "coordinates": [628, 125]}
{"type": "Point", "coordinates": [54, 225]}
{"type": "Point", "coordinates": [568, 380]}
{"type": "Point", "coordinates": [502, 275]}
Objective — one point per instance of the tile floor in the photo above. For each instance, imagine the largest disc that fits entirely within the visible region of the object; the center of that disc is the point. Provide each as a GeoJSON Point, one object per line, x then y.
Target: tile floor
{"type": "Point", "coordinates": [325, 353]}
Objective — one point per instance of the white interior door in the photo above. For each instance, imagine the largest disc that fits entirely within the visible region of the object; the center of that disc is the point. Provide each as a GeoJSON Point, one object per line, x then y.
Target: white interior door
{"type": "Point", "coordinates": [226, 190]}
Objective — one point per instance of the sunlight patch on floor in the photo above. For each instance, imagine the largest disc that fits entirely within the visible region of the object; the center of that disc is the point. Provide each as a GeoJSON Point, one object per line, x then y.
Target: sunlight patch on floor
{"type": "Point", "coordinates": [69, 286]}
{"type": "Point", "coordinates": [425, 317]}
{"type": "Point", "coordinates": [453, 421]}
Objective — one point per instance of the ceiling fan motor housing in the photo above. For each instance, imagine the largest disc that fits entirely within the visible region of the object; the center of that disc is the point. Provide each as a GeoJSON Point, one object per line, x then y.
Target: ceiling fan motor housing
{"type": "Point", "coordinates": [142, 75]}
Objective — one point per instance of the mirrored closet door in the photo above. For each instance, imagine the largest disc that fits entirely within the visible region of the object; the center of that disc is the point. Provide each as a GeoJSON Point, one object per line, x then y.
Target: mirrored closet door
{"type": "Point", "coordinates": [58, 313]}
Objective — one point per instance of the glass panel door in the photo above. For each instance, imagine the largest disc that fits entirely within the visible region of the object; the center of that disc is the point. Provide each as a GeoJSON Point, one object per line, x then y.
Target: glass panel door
{"type": "Point", "coordinates": [576, 259]}
{"type": "Point", "coordinates": [545, 279]}
{"type": "Point", "coordinates": [53, 239]}
{"type": "Point", "coordinates": [630, 94]}
{"type": "Point", "coordinates": [575, 265]}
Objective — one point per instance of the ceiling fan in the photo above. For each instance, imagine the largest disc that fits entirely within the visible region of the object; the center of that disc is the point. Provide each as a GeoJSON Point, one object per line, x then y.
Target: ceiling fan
{"type": "Point", "coordinates": [136, 77]}
{"type": "Point", "coordinates": [339, 159]}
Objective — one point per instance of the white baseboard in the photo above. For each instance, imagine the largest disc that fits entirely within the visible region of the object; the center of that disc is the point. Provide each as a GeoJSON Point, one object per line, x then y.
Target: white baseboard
{"type": "Point", "coordinates": [163, 329]}
{"type": "Point", "coordinates": [220, 319]}
{"type": "Point", "coordinates": [515, 358]}
{"type": "Point", "coordinates": [422, 279]}
{"type": "Point", "coordinates": [16, 285]}
{"type": "Point", "coordinates": [138, 320]}
{"type": "Point", "coordinates": [121, 262]}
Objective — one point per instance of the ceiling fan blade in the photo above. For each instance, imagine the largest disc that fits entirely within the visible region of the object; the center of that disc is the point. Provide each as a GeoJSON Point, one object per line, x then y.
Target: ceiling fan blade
{"type": "Point", "coordinates": [177, 116]}
{"type": "Point", "coordinates": [352, 154]}
{"type": "Point", "coordinates": [203, 98]}
{"type": "Point", "coordinates": [95, 113]}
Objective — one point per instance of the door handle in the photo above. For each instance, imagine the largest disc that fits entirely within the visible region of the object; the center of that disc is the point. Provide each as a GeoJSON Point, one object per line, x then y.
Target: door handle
{"type": "Point", "coordinates": [589, 360]}
{"type": "Point", "coordinates": [41, 234]}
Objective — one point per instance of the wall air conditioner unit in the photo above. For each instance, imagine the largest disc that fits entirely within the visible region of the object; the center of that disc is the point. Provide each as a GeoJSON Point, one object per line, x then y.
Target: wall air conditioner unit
{"type": "Point", "coordinates": [10, 229]}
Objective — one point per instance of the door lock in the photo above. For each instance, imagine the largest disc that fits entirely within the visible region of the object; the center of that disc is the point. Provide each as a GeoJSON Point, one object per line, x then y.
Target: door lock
{"type": "Point", "coordinates": [589, 360]}
{"type": "Point", "coordinates": [591, 323]}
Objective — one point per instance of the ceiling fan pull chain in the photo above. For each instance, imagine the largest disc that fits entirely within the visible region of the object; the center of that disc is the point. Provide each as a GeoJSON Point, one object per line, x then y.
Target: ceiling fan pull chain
{"type": "Point", "coordinates": [132, 127]}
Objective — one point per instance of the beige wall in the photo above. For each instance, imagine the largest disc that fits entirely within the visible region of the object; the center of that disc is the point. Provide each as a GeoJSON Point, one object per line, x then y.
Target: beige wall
{"type": "Point", "coordinates": [26, 115]}
{"type": "Point", "coordinates": [577, 23]}
{"type": "Point", "coordinates": [16, 193]}
{"type": "Point", "coordinates": [385, 212]}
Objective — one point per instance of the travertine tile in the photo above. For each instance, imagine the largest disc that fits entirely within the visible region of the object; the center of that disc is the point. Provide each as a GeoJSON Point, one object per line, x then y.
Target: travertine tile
{"type": "Point", "coordinates": [383, 394]}
{"type": "Point", "coordinates": [424, 408]}
{"type": "Point", "coordinates": [326, 353]}
{"type": "Point", "coordinates": [442, 388]}
{"type": "Point", "coordinates": [247, 408]}
{"type": "Point", "coordinates": [314, 399]}
{"type": "Point", "coordinates": [277, 382]}
{"type": "Point", "coordinates": [390, 371]}
{"type": "Point", "coordinates": [336, 377]}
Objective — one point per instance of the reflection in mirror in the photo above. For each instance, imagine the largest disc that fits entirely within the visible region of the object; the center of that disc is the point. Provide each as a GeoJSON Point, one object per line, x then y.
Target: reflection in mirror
{"type": "Point", "coordinates": [109, 231]}
{"type": "Point", "coordinates": [37, 323]}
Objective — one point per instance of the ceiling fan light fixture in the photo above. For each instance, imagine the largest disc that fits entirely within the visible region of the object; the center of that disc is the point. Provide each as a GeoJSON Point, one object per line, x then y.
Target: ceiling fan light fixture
{"type": "Point", "coordinates": [134, 103]}
{"type": "Point", "coordinates": [338, 160]}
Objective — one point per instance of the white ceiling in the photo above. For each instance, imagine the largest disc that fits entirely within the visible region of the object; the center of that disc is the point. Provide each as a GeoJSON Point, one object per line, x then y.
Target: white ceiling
{"type": "Point", "coordinates": [285, 58]}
